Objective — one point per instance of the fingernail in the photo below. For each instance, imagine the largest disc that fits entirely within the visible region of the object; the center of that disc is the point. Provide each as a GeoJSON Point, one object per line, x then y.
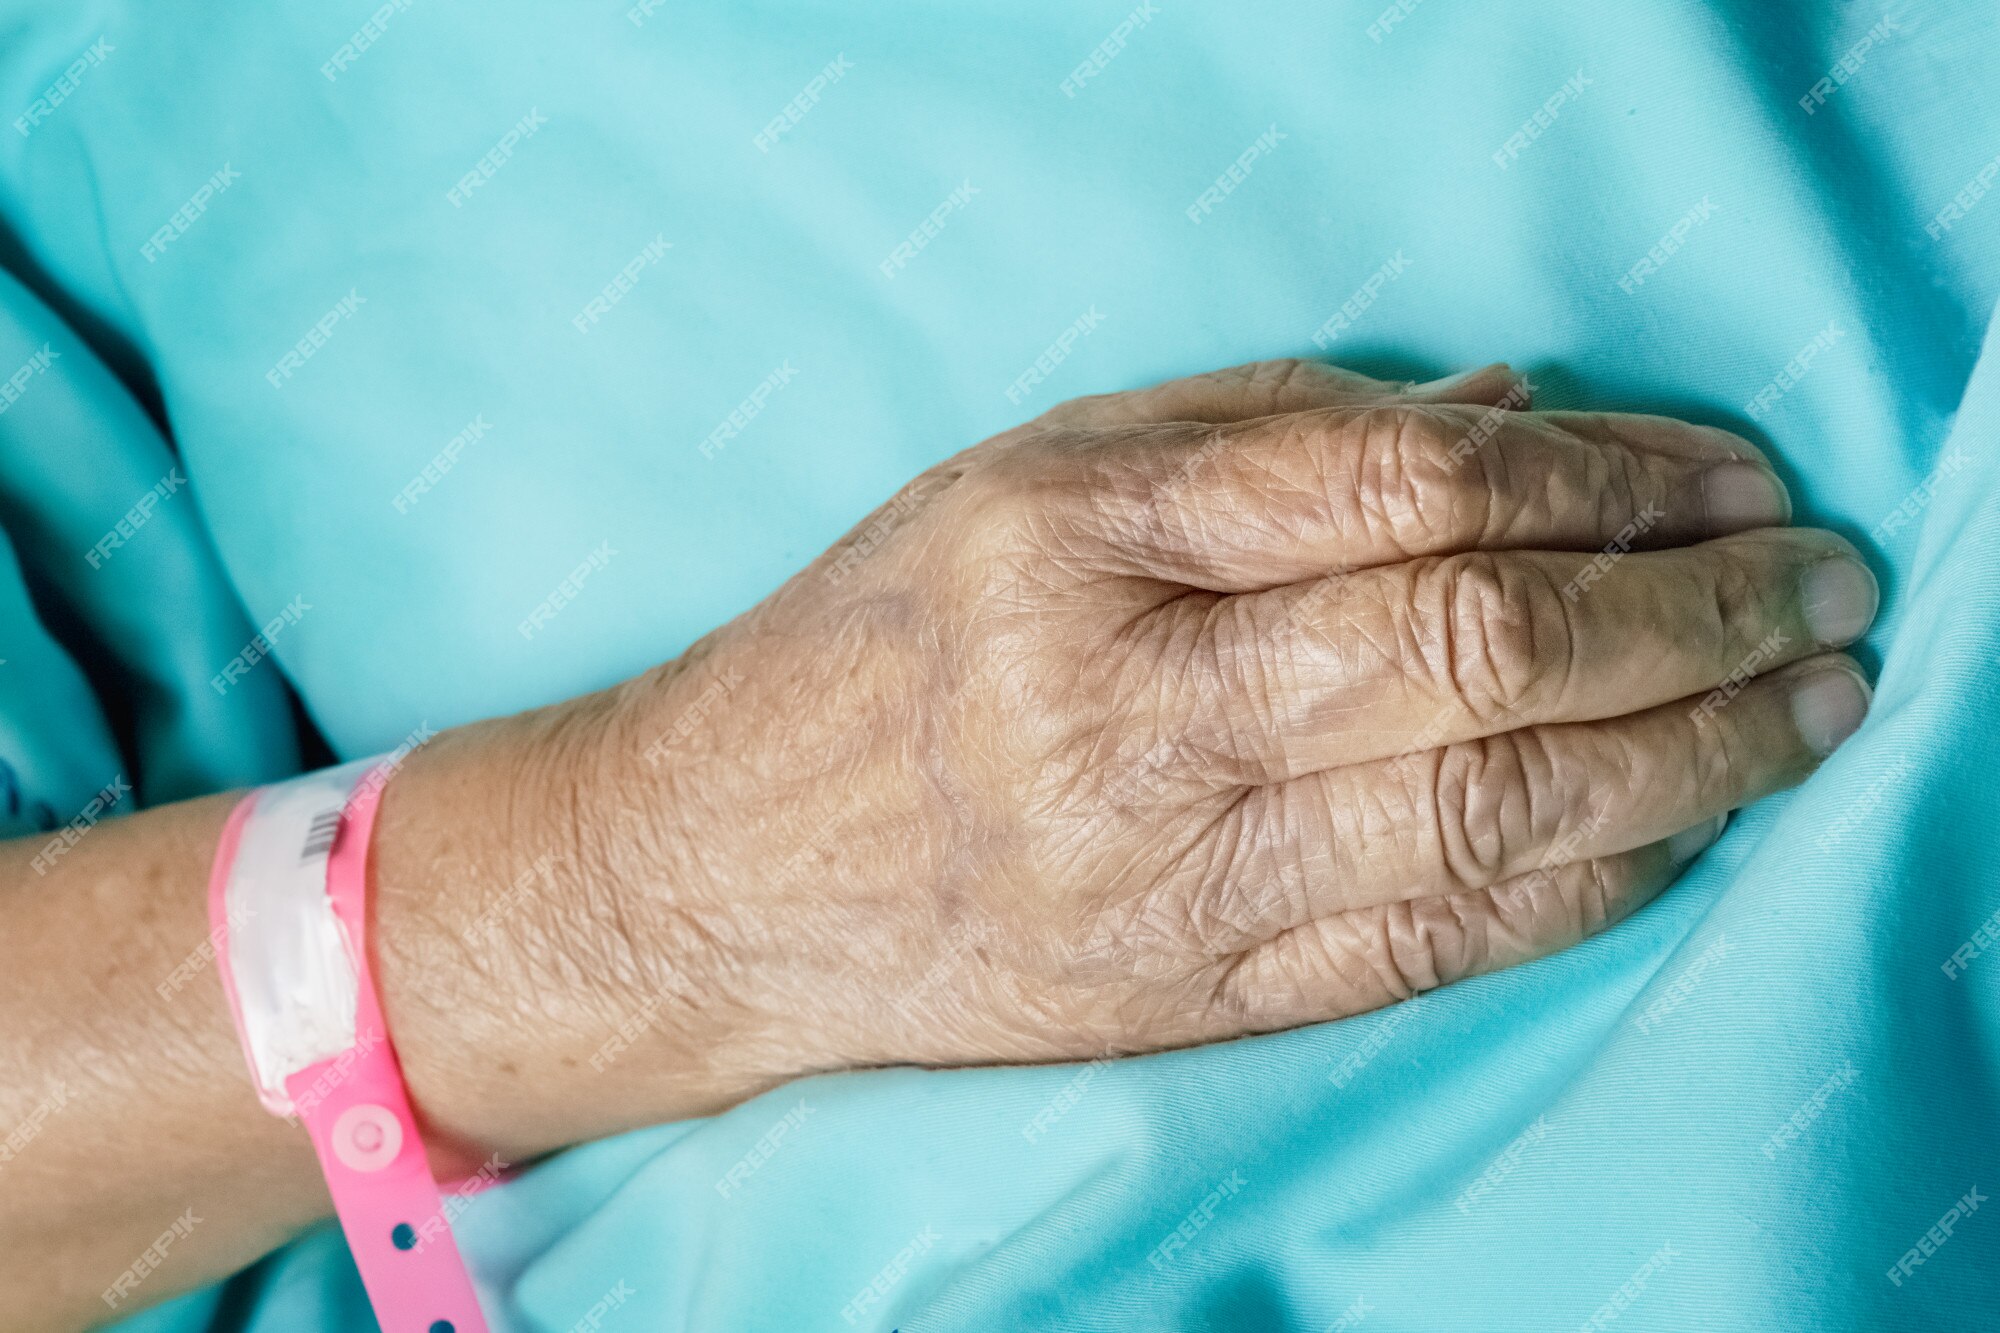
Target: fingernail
{"type": "Point", "coordinates": [1743, 495]}
{"type": "Point", "coordinates": [1828, 706]}
{"type": "Point", "coordinates": [1689, 843]}
{"type": "Point", "coordinates": [1840, 596]}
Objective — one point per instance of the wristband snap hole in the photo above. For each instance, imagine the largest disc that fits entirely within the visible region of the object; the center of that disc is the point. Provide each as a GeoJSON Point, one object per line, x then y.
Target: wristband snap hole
{"type": "Point", "coordinates": [404, 1237]}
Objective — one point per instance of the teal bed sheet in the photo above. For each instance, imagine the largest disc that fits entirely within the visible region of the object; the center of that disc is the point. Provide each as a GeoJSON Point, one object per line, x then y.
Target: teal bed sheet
{"type": "Point", "coordinates": [438, 301]}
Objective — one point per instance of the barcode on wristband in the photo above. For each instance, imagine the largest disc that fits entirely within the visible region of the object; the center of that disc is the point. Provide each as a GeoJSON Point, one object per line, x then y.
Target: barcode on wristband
{"type": "Point", "coordinates": [319, 837]}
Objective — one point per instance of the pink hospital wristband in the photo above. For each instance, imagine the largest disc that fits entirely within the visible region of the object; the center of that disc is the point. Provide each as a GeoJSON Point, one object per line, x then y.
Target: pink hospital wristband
{"type": "Point", "coordinates": [288, 907]}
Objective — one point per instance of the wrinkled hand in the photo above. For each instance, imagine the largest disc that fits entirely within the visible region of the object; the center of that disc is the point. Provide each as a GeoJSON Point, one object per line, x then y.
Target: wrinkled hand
{"type": "Point", "coordinates": [1255, 699]}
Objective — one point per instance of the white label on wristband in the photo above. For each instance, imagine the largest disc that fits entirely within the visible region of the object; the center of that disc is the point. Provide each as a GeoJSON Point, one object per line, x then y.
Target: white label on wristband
{"type": "Point", "coordinates": [289, 959]}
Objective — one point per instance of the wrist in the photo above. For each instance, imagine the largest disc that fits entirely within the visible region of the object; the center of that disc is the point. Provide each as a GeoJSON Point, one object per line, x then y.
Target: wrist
{"type": "Point", "coordinates": [544, 975]}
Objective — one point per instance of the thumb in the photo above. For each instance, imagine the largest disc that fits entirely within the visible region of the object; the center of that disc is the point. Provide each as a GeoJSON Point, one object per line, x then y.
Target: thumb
{"type": "Point", "coordinates": [1490, 386]}
{"type": "Point", "coordinates": [1271, 388]}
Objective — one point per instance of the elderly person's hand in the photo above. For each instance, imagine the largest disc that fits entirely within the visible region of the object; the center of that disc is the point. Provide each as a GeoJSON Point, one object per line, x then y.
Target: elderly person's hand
{"type": "Point", "coordinates": [1256, 699]}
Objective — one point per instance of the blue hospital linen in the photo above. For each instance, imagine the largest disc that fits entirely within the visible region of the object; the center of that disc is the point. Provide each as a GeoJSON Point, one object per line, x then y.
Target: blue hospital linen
{"type": "Point", "coordinates": [442, 303]}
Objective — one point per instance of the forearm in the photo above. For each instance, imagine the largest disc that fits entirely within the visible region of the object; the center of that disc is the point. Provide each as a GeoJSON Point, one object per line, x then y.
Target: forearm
{"type": "Point", "coordinates": [127, 1110]}
{"type": "Point", "coordinates": [124, 1092]}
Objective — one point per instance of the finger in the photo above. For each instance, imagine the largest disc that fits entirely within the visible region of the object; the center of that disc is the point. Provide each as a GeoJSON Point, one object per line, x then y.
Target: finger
{"type": "Point", "coordinates": [1413, 656]}
{"type": "Point", "coordinates": [1356, 961]}
{"type": "Point", "coordinates": [1256, 504]}
{"type": "Point", "coordinates": [1266, 388]}
{"type": "Point", "coordinates": [1477, 814]}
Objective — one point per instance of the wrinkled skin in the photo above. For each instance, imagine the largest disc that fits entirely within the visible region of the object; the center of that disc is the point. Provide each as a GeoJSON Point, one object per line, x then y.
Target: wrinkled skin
{"type": "Point", "coordinates": [1260, 698]}
{"type": "Point", "coordinates": [1239, 703]}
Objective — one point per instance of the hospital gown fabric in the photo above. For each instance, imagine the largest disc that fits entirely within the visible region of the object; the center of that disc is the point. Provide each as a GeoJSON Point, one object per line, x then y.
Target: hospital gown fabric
{"type": "Point", "coordinates": [443, 305]}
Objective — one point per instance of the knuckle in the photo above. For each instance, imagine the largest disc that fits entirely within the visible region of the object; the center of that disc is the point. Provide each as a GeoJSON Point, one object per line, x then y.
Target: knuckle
{"type": "Point", "coordinates": [1713, 764]}
{"type": "Point", "coordinates": [1555, 470]}
{"type": "Point", "coordinates": [1024, 497]}
{"type": "Point", "coordinates": [1733, 608]}
{"type": "Point", "coordinates": [1259, 388]}
{"type": "Point", "coordinates": [1546, 909]}
{"type": "Point", "coordinates": [1593, 902]}
{"type": "Point", "coordinates": [1409, 430]}
{"type": "Point", "coordinates": [1494, 634]}
{"type": "Point", "coordinates": [1419, 945]}
{"type": "Point", "coordinates": [1408, 482]}
{"type": "Point", "coordinates": [1625, 488]}
{"type": "Point", "coordinates": [1486, 802]}
{"type": "Point", "coordinates": [1289, 380]}
{"type": "Point", "coordinates": [1003, 489]}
